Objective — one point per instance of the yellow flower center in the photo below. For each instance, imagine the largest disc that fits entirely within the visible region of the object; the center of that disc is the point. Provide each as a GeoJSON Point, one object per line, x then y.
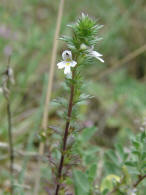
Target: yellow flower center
{"type": "Point", "coordinates": [67, 64]}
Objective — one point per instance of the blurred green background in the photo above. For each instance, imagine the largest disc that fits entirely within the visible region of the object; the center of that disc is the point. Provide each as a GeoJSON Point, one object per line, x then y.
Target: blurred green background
{"type": "Point", "coordinates": [119, 85]}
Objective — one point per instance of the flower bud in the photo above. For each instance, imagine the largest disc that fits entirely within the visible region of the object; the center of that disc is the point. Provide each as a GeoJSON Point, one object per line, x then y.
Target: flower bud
{"type": "Point", "coordinates": [83, 46]}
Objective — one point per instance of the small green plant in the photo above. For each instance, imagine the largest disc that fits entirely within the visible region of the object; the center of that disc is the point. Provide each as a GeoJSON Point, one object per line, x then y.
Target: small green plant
{"type": "Point", "coordinates": [128, 166]}
{"type": "Point", "coordinates": [80, 53]}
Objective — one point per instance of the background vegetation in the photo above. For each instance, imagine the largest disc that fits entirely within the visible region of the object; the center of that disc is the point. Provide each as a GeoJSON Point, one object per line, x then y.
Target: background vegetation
{"type": "Point", "coordinates": [118, 86]}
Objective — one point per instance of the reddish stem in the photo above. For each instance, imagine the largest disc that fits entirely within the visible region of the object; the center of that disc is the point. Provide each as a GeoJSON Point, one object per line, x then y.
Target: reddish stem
{"type": "Point", "coordinates": [66, 133]}
{"type": "Point", "coordinates": [139, 180]}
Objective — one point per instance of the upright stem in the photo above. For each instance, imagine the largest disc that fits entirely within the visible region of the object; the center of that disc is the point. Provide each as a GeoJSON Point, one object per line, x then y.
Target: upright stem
{"type": "Point", "coordinates": [6, 87]}
{"type": "Point", "coordinates": [10, 142]}
{"type": "Point", "coordinates": [66, 133]}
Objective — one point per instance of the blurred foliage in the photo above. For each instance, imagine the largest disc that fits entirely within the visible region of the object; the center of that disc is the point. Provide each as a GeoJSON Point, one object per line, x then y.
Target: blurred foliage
{"type": "Point", "coordinates": [119, 104]}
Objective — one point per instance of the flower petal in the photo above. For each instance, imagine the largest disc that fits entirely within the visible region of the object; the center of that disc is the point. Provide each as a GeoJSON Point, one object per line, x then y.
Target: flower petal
{"type": "Point", "coordinates": [67, 55]}
{"type": "Point", "coordinates": [73, 63]}
{"type": "Point", "coordinates": [97, 55]}
{"type": "Point", "coordinates": [61, 65]}
{"type": "Point", "coordinates": [67, 70]}
{"type": "Point", "coordinates": [100, 59]}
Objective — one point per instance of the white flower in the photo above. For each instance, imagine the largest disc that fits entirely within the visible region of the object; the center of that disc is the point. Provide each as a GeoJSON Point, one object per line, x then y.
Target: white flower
{"type": "Point", "coordinates": [92, 53]}
{"type": "Point", "coordinates": [67, 62]}
{"type": "Point", "coordinates": [95, 54]}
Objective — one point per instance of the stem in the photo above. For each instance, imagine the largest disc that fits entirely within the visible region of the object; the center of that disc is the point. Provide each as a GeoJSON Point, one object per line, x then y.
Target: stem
{"type": "Point", "coordinates": [9, 115]}
{"type": "Point", "coordinates": [10, 143]}
{"type": "Point", "coordinates": [66, 132]}
{"type": "Point", "coordinates": [139, 180]}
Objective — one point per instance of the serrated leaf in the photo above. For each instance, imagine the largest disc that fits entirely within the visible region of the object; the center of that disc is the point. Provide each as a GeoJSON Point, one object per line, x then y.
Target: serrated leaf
{"type": "Point", "coordinates": [60, 101]}
{"type": "Point", "coordinates": [84, 97]}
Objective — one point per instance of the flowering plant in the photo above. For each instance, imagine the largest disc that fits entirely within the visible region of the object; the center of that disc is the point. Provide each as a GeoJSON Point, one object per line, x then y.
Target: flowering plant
{"type": "Point", "coordinates": [80, 54]}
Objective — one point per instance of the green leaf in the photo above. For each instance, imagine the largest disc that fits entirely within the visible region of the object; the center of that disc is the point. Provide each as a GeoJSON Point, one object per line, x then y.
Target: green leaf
{"type": "Point", "coordinates": [143, 156]}
{"type": "Point", "coordinates": [113, 157]}
{"type": "Point", "coordinates": [105, 192]}
{"type": "Point", "coordinates": [125, 156]}
{"type": "Point", "coordinates": [84, 97]}
{"type": "Point", "coordinates": [136, 144]}
{"type": "Point", "coordinates": [143, 136]}
{"type": "Point", "coordinates": [133, 170]}
{"type": "Point", "coordinates": [131, 163]}
{"type": "Point", "coordinates": [81, 183]}
{"type": "Point", "coordinates": [88, 133]}
{"type": "Point", "coordinates": [137, 153]}
{"type": "Point", "coordinates": [120, 150]}
{"type": "Point", "coordinates": [92, 172]}
{"type": "Point", "coordinates": [61, 101]}
{"type": "Point", "coordinates": [143, 165]}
